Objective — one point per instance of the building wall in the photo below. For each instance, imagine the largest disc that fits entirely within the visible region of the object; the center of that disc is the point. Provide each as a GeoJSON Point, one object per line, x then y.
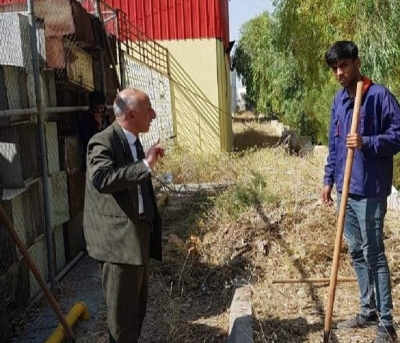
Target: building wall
{"type": "Point", "coordinates": [200, 93]}
{"type": "Point", "coordinates": [225, 93]}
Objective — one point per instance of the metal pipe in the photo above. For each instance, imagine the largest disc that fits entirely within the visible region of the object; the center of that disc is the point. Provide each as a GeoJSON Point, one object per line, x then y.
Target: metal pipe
{"type": "Point", "coordinates": [69, 109]}
{"type": "Point", "coordinates": [65, 109]}
{"type": "Point", "coordinates": [72, 263]}
{"type": "Point", "coordinates": [79, 310]}
{"type": "Point", "coordinates": [26, 111]}
{"type": "Point", "coordinates": [18, 111]}
{"type": "Point", "coordinates": [121, 65]}
{"type": "Point", "coordinates": [101, 51]}
{"type": "Point", "coordinates": [106, 5]}
{"type": "Point", "coordinates": [42, 143]}
{"type": "Point", "coordinates": [108, 46]}
{"type": "Point", "coordinates": [120, 55]}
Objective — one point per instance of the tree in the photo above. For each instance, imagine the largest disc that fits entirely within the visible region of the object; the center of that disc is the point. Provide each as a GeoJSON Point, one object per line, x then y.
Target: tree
{"type": "Point", "coordinates": [249, 57]}
{"type": "Point", "coordinates": [309, 27]}
{"type": "Point", "coordinates": [281, 56]}
{"type": "Point", "coordinates": [270, 73]}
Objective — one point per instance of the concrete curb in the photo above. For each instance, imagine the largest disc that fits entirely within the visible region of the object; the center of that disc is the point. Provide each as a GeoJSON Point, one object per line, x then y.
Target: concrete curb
{"type": "Point", "coordinates": [241, 316]}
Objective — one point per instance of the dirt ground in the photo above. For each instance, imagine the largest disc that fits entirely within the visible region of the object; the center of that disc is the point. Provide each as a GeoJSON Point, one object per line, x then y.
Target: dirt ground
{"type": "Point", "coordinates": [189, 301]}
{"type": "Point", "coordinates": [183, 305]}
{"type": "Point", "coordinates": [191, 289]}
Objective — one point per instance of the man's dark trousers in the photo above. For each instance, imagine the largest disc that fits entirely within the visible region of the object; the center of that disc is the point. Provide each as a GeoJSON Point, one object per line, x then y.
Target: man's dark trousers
{"type": "Point", "coordinates": [126, 289]}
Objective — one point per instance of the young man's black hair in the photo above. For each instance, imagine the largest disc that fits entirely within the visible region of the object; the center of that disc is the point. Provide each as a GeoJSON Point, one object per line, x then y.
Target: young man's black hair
{"type": "Point", "coordinates": [97, 98]}
{"type": "Point", "coordinates": [341, 50]}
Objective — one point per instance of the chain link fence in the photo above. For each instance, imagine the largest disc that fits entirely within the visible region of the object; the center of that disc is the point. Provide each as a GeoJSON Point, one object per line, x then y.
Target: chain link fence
{"type": "Point", "coordinates": [46, 76]}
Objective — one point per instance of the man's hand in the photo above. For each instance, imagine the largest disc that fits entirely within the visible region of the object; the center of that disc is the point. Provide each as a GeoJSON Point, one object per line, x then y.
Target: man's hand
{"type": "Point", "coordinates": [98, 117]}
{"type": "Point", "coordinates": [326, 195]}
{"type": "Point", "coordinates": [155, 152]}
{"type": "Point", "coordinates": [354, 141]}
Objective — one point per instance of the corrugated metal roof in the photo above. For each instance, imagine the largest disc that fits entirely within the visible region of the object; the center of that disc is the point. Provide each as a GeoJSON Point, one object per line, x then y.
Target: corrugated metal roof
{"type": "Point", "coordinates": [178, 19]}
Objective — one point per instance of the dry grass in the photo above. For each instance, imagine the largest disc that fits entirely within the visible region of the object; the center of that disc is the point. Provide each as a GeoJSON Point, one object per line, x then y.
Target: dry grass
{"type": "Point", "coordinates": [271, 225]}
{"type": "Point", "coordinates": [249, 134]}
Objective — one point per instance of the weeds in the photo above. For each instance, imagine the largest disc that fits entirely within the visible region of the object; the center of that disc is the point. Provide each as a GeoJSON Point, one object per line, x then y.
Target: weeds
{"type": "Point", "coordinates": [267, 224]}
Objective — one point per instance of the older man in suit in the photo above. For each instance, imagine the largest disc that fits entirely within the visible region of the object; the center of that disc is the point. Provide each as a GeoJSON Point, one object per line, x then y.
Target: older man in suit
{"type": "Point", "coordinates": [121, 221]}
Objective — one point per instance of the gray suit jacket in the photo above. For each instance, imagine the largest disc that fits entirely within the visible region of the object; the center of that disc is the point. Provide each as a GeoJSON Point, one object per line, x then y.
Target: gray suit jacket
{"type": "Point", "coordinates": [111, 217]}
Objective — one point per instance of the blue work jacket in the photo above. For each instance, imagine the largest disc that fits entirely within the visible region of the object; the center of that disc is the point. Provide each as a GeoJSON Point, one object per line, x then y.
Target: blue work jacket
{"type": "Point", "coordinates": [379, 126]}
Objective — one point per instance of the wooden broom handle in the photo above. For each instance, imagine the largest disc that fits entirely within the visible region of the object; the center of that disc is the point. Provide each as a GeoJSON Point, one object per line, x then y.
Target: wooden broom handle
{"type": "Point", "coordinates": [341, 216]}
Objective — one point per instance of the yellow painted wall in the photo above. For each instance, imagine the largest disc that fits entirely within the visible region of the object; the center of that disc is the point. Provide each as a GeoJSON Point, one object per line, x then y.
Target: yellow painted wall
{"type": "Point", "coordinates": [225, 94]}
{"type": "Point", "coordinates": [200, 92]}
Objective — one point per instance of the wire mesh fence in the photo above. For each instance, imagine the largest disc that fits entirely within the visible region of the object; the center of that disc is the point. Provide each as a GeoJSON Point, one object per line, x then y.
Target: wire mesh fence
{"type": "Point", "coordinates": [20, 170]}
{"type": "Point", "coordinates": [48, 73]}
{"type": "Point", "coordinates": [145, 65]}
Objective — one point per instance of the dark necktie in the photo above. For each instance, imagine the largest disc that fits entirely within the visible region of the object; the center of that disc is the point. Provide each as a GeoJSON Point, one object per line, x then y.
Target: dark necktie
{"type": "Point", "coordinates": [144, 186]}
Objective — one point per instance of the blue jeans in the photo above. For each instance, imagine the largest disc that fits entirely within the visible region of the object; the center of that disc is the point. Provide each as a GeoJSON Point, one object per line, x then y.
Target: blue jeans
{"type": "Point", "coordinates": [363, 230]}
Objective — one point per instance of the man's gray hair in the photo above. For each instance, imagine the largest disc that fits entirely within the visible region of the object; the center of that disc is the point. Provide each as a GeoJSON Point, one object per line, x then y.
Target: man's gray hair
{"type": "Point", "coordinates": [125, 101]}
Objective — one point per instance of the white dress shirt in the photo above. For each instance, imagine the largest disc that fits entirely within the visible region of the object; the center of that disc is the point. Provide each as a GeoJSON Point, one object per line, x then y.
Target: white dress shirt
{"type": "Point", "coordinates": [131, 138]}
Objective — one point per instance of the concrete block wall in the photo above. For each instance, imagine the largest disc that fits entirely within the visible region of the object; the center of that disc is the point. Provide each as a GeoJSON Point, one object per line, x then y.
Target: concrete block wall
{"type": "Point", "coordinates": [8, 250]}
{"type": "Point", "coordinates": [35, 197]}
{"type": "Point", "coordinates": [13, 204]}
{"type": "Point", "coordinates": [18, 154]}
{"type": "Point", "coordinates": [58, 241]}
{"type": "Point", "coordinates": [38, 252]}
{"type": "Point", "coordinates": [23, 200]}
{"type": "Point", "coordinates": [21, 174]}
{"type": "Point", "coordinates": [71, 161]}
{"type": "Point", "coordinates": [24, 207]}
{"type": "Point", "coordinates": [70, 154]}
{"type": "Point", "coordinates": [74, 239]}
{"type": "Point", "coordinates": [59, 203]}
{"type": "Point", "coordinates": [53, 156]}
{"type": "Point", "coordinates": [76, 193]}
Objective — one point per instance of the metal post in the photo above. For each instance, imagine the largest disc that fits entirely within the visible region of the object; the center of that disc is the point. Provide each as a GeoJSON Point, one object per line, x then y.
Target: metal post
{"type": "Point", "coordinates": [42, 142]}
{"type": "Point", "coordinates": [27, 111]}
{"type": "Point", "coordinates": [101, 50]}
{"type": "Point", "coordinates": [121, 65]}
{"type": "Point", "coordinates": [108, 46]}
{"type": "Point", "coordinates": [120, 52]}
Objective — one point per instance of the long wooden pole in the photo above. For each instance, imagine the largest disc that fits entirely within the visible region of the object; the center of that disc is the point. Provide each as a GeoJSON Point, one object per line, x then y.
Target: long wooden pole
{"type": "Point", "coordinates": [313, 280]}
{"type": "Point", "coordinates": [32, 266]}
{"type": "Point", "coordinates": [341, 216]}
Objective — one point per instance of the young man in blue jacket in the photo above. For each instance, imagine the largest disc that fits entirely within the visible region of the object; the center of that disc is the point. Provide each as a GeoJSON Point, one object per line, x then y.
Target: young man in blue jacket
{"type": "Point", "coordinates": [376, 141]}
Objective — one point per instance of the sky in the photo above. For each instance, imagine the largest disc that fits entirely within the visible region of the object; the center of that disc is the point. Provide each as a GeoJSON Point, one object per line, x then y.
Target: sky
{"type": "Point", "coordinates": [241, 11]}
